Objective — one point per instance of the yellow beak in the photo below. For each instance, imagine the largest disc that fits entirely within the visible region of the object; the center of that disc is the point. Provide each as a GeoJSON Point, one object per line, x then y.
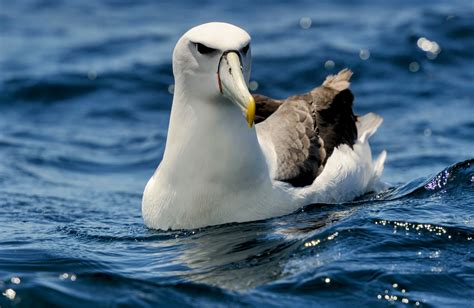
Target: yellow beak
{"type": "Point", "coordinates": [232, 85]}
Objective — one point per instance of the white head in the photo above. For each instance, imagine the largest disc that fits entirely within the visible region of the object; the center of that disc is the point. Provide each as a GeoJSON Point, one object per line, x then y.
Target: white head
{"type": "Point", "coordinates": [210, 156]}
{"type": "Point", "coordinates": [213, 61]}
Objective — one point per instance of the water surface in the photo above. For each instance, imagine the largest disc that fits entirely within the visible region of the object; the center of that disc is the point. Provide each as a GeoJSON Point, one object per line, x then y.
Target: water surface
{"type": "Point", "coordinates": [84, 106]}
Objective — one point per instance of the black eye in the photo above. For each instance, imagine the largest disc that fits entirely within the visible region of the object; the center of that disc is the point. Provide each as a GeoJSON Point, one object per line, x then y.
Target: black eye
{"type": "Point", "coordinates": [204, 49]}
{"type": "Point", "coordinates": [246, 48]}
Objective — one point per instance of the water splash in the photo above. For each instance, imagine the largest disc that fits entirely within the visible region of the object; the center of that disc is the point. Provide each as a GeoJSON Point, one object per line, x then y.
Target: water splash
{"type": "Point", "coordinates": [439, 181]}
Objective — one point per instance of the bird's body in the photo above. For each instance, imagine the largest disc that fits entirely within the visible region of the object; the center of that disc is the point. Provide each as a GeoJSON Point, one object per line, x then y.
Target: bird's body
{"type": "Point", "coordinates": [215, 169]}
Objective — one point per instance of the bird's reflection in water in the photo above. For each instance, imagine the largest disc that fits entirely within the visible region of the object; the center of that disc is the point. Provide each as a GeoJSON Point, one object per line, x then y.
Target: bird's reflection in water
{"type": "Point", "coordinates": [246, 255]}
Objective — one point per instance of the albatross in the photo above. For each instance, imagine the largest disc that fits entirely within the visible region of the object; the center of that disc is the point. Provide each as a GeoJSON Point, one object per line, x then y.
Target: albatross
{"type": "Point", "coordinates": [234, 157]}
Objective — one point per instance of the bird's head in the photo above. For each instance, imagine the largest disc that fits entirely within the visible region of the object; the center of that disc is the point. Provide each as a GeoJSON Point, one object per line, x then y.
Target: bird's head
{"type": "Point", "coordinates": [214, 60]}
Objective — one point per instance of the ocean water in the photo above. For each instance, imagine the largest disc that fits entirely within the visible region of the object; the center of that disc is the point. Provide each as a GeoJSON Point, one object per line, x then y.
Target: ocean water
{"type": "Point", "coordinates": [85, 95]}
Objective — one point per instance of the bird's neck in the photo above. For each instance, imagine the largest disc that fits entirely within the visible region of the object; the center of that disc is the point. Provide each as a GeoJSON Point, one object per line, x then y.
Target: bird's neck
{"type": "Point", "coordinates": [209, 142]}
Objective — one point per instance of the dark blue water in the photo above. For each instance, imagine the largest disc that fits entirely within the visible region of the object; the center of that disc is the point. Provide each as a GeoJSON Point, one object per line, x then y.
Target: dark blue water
{"type": "Point", "coordinates": [84, 106]}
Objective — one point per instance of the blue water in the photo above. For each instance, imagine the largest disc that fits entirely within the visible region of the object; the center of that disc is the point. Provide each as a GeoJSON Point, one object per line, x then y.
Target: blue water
{"type": "Point", "coordinates": [84, 106]}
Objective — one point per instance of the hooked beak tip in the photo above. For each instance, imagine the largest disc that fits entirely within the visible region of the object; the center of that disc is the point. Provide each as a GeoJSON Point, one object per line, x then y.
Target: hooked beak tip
{"type": "Point", "coordinates": [250, 116]}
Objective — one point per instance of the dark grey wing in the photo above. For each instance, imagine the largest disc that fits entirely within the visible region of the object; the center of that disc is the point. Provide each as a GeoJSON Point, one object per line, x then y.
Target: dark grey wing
{"type": "Point", "coordinates": [299, 150]}
{"type": "Point", "coordinates": [265, 107]}
{"type": "Point", "coordinates": [305, 129]}
{"type": "Point", "coordinates": [334, 115]}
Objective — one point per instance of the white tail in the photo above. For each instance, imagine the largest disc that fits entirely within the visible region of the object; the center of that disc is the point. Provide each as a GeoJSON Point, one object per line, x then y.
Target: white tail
{"type": "Point", "coordinates": [367, 125]}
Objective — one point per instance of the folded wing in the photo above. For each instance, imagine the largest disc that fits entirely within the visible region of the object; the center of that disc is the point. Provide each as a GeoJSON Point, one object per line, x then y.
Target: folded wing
{"type": "Point", "coordinates": [305, 129]}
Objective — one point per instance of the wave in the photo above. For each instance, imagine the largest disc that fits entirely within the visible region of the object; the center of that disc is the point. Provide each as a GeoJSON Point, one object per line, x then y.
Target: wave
{"type": "Point", "coordinates": [457, 178]}
{"type": "Point", "coordinates": [151, 79]}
